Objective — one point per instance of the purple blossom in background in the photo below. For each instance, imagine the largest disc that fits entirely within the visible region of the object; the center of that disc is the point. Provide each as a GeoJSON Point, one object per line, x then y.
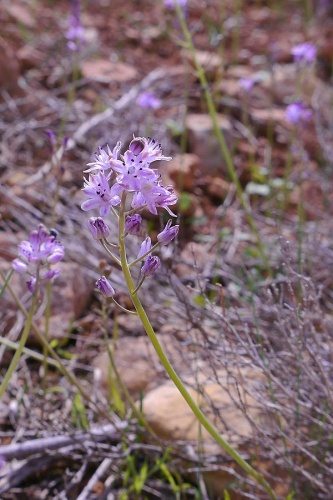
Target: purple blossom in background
{"type": "Point", "coordinates": [297, 113]}
{"type": "Point", "coordinates": [147, 100]}
{"type": "Point", "coordinates": [304, 53]}
{"type": "Point", "coordinates": [75, 33]}
{"type": "Point", "coordinates": [170, 4]}
{"type": "Point", "coordinates": [132, 173]}
{"type": "Point", "coordinates": [150, 266]}
{"type": "Point", "coordinates": [247, 83]}
{"type": "Point", "coordinates": [104, 286]}
{"type": "Point", "coordinates": [41, 250]}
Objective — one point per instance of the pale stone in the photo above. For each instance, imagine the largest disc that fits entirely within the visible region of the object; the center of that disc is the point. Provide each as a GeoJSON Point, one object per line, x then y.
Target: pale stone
{"type": "Point", "coordinates": [105, 71]}
{"type": "Point", "coordinates": [137, 363]}
{"type": "Point", "coordinates": [211, 62]}
{"type": "Point", "coordinates": [203, 142]}
{"type": "Point", "coordinates": [182, 171]}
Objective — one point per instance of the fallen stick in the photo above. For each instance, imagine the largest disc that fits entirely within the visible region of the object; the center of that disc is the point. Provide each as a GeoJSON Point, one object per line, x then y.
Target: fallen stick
{"type": "Point", "coordinates": [33, 446]}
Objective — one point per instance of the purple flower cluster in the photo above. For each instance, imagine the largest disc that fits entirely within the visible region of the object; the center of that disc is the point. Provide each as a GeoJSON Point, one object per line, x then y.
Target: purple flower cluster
{"type": "Point", "coordinates": [304, 53]}
{"type": "Point", "coordinates": [298, 113]}
{"type": "Point", "coordinates": [148, 100]}
{"type": "Point", "coordinates": [131, 172]}
{"type": "Point", "coordinates": [170, 4]}
{"type": "Point", "coordinates": [112, 175]}
{"type": "Point", "coordinates": [75, 33]}
{"type": "Point", "coordinates": [39, 252]}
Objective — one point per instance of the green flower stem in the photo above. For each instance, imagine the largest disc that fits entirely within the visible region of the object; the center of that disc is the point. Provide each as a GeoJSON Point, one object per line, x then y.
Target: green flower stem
{"type": "Point", "coordinates": [20, 348]}
{"type": "Point", "coordinates": [122, 308]}
{"type": "Point", "coordinates": [170, 370]}
{"type": "Point", "coordinates": [109, 252]}
{"type": "Point", "coordinates": [219, 134]}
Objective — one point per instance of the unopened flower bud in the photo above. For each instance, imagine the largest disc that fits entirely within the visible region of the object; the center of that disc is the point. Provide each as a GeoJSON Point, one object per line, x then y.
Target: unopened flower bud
{"type": "Point", "coordinates": [98, 228]}
{"type": "Point", "coordinates": [104, 286]}
{"type": "Point", "coordinates": [31, 284]}
{"type": "Point", "coordinates": [133, 224]}
{"type": "Point", "coordinates": [19, 266]}
{"type": "Point", "coordinates": [56, 255]}
{"type": "Point", "coordinates": [150, 266]}
{"type": "Point", "coordinates": [136, 146]}
{"type": "Point", "coordinates": [50, 274]}
{"type": "Point", "coordinates": [168, 233]}
{"type": "Point", "coordinates": [145, 247]}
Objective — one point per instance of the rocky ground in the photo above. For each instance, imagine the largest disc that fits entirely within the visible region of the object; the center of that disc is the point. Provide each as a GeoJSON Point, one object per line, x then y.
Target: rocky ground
{"type": "Point", "coordinates": [243, 302]}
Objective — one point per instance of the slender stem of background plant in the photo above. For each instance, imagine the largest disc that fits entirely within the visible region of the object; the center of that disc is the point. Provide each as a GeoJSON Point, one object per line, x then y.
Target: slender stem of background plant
{"type": "Point", "coordinates": [18, 353]}
{"type": "Point", "coordinates": [169, 368]}
{"type": "Point", "coordinates": [46, 334]}
{"type": "Point", "coordinates": [28, 352]}
{"type": "Point", "coordinates": [223, 145]}
{"type": "Point", "coordinates": [270, 385]}
{"type": "Point", "coordinates": [6, 281]}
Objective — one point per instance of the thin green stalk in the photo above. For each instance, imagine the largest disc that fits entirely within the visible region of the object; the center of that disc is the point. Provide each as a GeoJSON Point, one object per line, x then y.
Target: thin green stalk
{"type": "Point", "coordinates": [20, 348]}
{"type": "Point", "coordinates": [46, 334]}
{"type": "Point", "coordinates": [70, 377]}
{"type": "Point", "coordinates": [6, 282]}
{"type": "Point", "coordinates": [29, 352]}
{"type": "Point", "coordinates": [219, 134]}
{"type": "Point", "coordinates": [169, 368]}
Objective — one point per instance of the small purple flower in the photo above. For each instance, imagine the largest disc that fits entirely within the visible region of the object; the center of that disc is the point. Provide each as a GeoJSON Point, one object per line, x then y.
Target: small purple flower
{"type": "Point", "coordinates": [57, 255]}
{"type": "Point", "coordinates": [147, 100]}
{"type": "Point", "coordinates": [168, 233]}
{"type": "Point", "coordinates": [31, 284]}
{"type": "Point", "coordinates": [145, 247]}
{"type": "Point", "coordinates": [99, 229]}
{"type": "Point", "coordinates": [103, 158]}
{"type": "Point", "coordinates": [104, 286]}
{"type": "Point", "coordinates": [246, 84]}
{"type": "Point", "coordinates": [133, 224]}
{"type": "Point", "coordinates": [99, 193]}
{"type": "Point", "coordinates": [52, 139]}
{"type": "Point", "coordinates": [304, 53]}
{"type": "Point", "coordinates": [50, 274]}
{"type": "Point", "coordinates": [75, 33]}
{"type": "Point", "coordinates": [297, 113]}
{"type": "Point", "coordinates": [19, 266]}
{"type": "Point", "coordinates": [42, 246]}
{"type": "Point", "coordinates": [170, 4]}
{"type": "Point", "coordinates": [40, 251]}
{"type": "Point", "coordinates": [150, 266]}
